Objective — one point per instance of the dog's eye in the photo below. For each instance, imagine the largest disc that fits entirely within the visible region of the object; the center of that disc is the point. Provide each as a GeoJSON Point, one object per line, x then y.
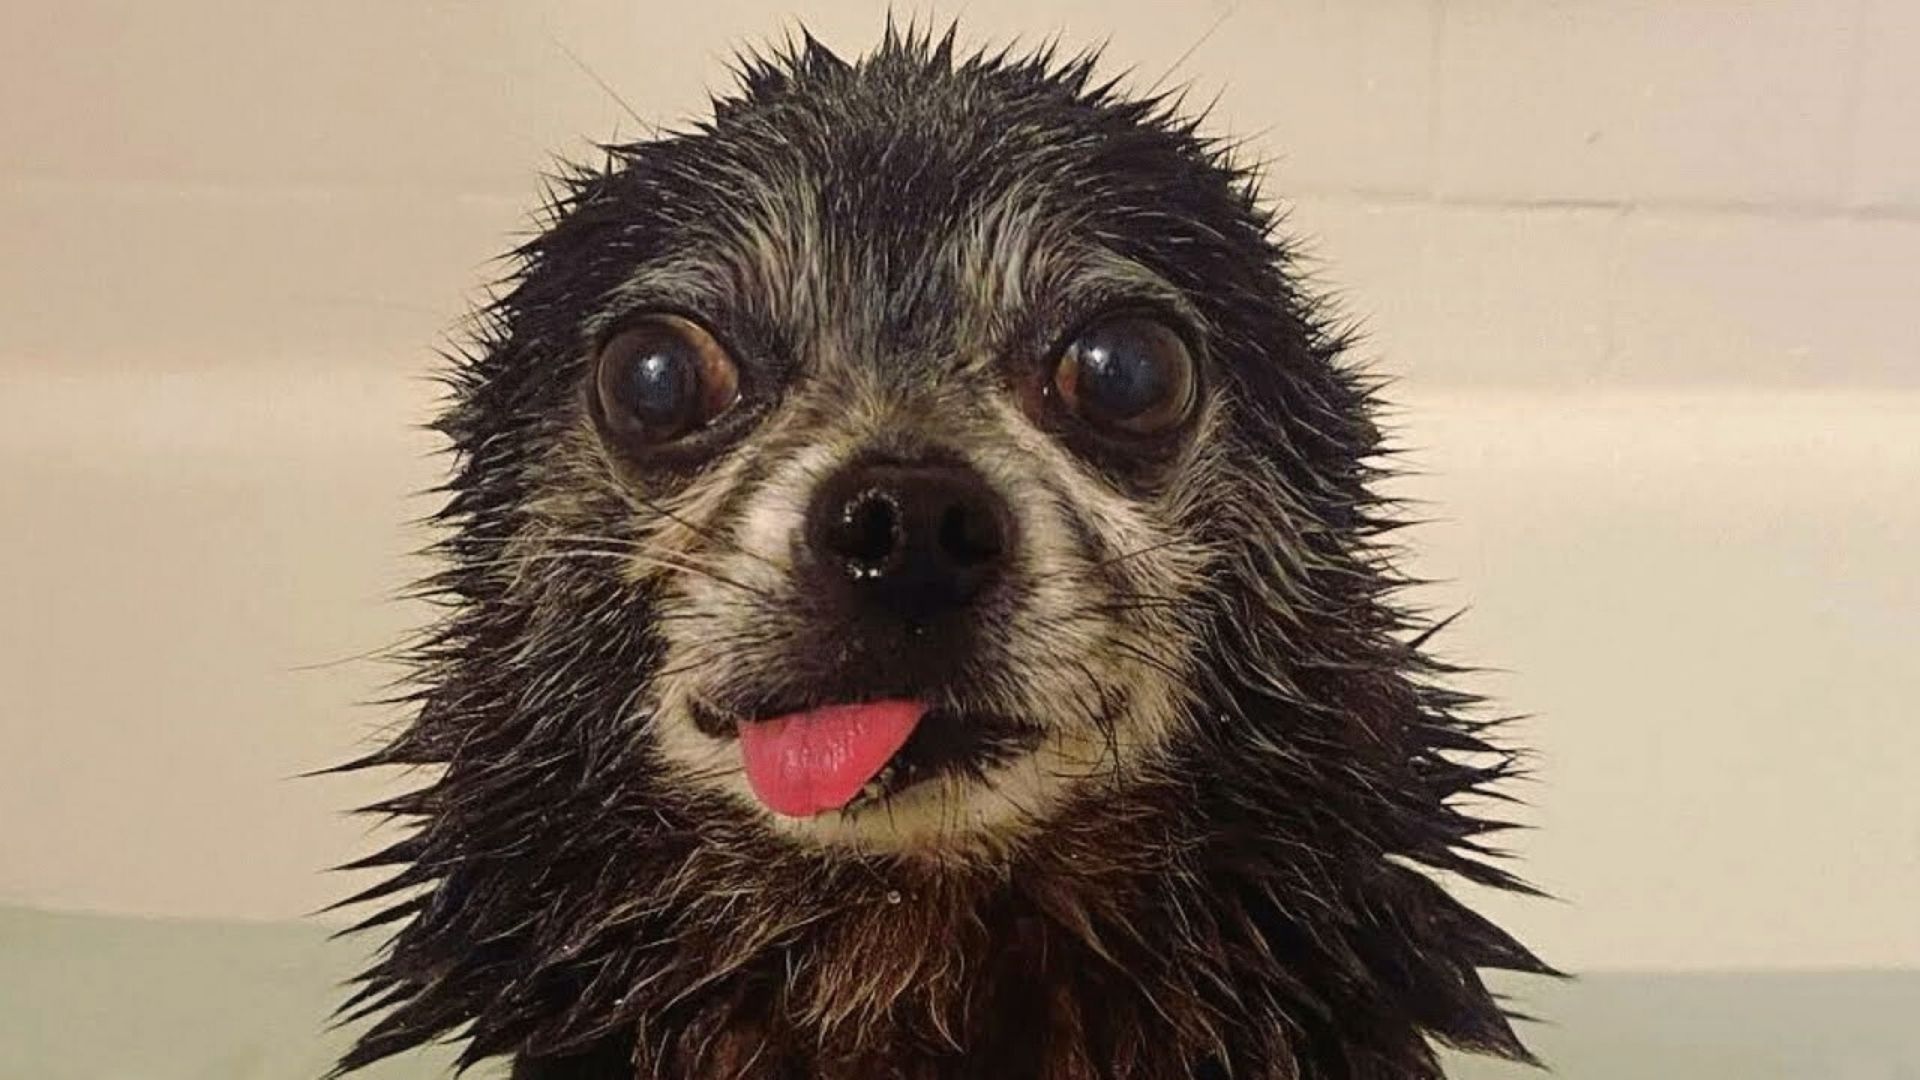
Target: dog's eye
{"type": "Point", "coordinates": [663, 378]}
{"type": "Point", "coordinates": [1128, 374]}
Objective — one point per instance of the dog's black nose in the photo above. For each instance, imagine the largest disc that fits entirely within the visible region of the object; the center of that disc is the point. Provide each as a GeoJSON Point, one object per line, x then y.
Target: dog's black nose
{"type": "Point", "coordinates": [914, 540]}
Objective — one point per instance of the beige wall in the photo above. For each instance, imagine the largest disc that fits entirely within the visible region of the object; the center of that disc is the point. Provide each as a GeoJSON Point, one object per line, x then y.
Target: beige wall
{"type": "Point", "coordinates": [1650, 271]}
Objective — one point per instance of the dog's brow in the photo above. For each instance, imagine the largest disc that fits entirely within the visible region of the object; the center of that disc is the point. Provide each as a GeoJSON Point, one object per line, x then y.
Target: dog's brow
{"type": "Point", "coordinates": [694, 281]}
{"type": "Point", "coordinates": [1016, 253]}
{"type": "Point", "coordinates": [1103, 276]}
{"type": "Point", "coordinates": [761, 253]}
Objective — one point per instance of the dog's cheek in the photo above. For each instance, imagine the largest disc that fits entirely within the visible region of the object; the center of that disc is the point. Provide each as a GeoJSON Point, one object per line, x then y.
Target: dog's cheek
{"type": "Point", "coordinates": [769, 519]}
{"type": "Point", "coordinates": [737, 615]}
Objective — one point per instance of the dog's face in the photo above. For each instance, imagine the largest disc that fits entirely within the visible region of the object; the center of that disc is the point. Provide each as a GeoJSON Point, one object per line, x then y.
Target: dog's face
{"type": "Point", "coordinates": [915, 504]}
{"type": "Point", "coordinates": [907, 454]}
{"type": "Point", "coordinates": [904, 418]}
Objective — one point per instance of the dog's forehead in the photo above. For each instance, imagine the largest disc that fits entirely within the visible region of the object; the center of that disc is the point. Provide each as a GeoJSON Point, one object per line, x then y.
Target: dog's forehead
{"type": "Point", "coordinates": [910, 227]}
{"type": "Point", "coordinates": [803, 250]}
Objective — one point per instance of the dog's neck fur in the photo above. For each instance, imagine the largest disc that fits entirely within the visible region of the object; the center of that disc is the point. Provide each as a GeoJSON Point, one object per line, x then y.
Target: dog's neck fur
{"type": "Point", "coordinates": [1242, 921]}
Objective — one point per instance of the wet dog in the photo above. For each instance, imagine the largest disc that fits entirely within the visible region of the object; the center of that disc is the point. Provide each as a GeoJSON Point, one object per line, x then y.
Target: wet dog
{"type": "Point", "coordinates": [915, 606]}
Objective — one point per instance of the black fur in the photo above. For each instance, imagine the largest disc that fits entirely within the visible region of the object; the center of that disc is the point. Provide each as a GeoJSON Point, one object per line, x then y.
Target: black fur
{"type": "Point", "coordinates": [1250, 911]}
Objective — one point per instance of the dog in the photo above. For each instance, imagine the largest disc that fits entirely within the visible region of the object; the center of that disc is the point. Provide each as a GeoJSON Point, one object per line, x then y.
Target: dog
{"type": "Point", "coordinates": [915, 605]}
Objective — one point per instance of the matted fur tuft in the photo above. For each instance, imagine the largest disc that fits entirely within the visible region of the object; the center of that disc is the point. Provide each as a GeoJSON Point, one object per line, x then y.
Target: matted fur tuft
{"type": "Point", "coordinates": [1249, 904]}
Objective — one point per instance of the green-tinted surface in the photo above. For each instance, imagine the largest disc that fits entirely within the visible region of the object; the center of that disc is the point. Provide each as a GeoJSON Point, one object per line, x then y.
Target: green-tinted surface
{"type": "Point", "coordinates": [96, 998]}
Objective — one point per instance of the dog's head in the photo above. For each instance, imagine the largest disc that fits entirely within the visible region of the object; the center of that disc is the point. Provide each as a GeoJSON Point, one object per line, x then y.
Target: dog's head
{"type": "Point", "coordinates": [925, 419]}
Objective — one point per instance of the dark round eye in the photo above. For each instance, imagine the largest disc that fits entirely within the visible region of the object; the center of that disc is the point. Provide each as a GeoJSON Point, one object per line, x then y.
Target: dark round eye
{"type": "Point", "coordinates": [663, 378]}
{"type": "Point", "coordinates": [1129, 374]}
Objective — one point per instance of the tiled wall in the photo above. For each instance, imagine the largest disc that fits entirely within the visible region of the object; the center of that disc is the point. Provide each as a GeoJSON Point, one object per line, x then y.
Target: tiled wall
{"type": "Point", "coordinates": [1526, 192]}
{"type": "Point", "coordinates": [1650, 271]}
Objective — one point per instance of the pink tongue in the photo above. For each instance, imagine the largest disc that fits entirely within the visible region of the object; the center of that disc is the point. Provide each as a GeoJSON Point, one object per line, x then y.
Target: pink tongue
{"type": "Point", "coordinates": [804, 763]}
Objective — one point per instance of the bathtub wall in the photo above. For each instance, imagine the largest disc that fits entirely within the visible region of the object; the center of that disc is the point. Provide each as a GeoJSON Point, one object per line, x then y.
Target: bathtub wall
{"type": "Point", "coordinates": [1649, 273]}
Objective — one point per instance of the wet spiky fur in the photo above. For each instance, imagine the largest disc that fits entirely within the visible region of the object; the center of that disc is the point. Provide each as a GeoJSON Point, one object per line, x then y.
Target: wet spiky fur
{"type": "Point", "coordinates": [1246, 901]}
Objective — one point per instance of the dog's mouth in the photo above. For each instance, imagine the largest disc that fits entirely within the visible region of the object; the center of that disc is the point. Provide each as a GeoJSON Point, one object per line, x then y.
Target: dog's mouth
{"type": "Point", "coordinates": [838, 757]}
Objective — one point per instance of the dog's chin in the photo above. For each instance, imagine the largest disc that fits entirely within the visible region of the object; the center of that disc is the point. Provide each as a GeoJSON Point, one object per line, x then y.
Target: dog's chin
{"type": "Point", "coordinates": [966, 782]}
{"type": "Point", "coordinates": [938, 781]}
{"type": "Point", "coordinates": [949, 813]}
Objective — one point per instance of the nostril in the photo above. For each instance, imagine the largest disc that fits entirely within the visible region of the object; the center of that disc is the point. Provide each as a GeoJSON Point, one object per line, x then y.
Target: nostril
{"type": "Point", "coordinates": [970, 534]}
{"type": "Point", "coordinates": [867, 533]}
{"type": "Point", "coordinates": [908, 540]}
